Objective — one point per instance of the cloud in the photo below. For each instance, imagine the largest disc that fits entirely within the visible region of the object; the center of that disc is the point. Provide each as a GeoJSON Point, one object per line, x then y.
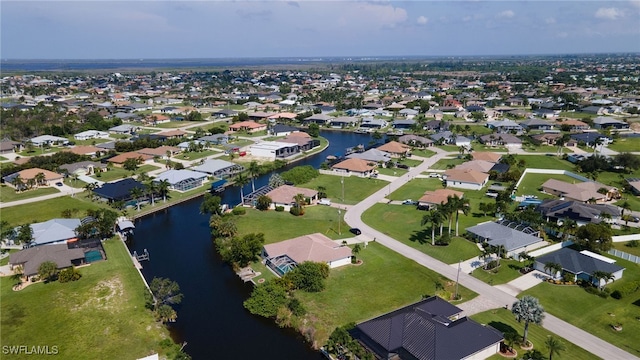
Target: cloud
{"type": "Point", "coordinates": [507, 14]}
{"type": "Point", "coordinates": [550, 20]}
{"type": "Point", "coordinates": [609, 13]}
{"type": "Point", "coordinates": [422, 20]}
{"type": "Point", "coordinates": [385, 15]}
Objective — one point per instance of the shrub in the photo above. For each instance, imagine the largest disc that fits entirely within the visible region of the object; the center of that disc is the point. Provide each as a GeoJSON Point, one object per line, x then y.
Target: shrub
{"type": "Point", "coordinates": [616, 294]}
{"type": "Point", "coordinates": [444, 239]}
{"type": "Point", "coordinates": [263, 202]}
{"type": "Point", "coordinates": [279, 208]}
{"type": "Point", "coordinates": [568, 277]}
{"type": "Point", "coordinates": [630, 288]}
{"type": "Point", "coordinates": [295, 211]}
{"type": "Point", "coordinates": [68, 274]}
{"type": "Point", "coordinates": [300, 174]}
{"type": "Point", "coordinates": [296, 307]}
{"type": "Point", "coordinates": [239, 210]}
{"type": "Point", "coordinates": [308, 276]}
{"type": "Point", "coordinates": [633, 244]}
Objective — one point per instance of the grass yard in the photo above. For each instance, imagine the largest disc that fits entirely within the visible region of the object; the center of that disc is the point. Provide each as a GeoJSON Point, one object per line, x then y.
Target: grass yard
{"type": "Point", "coordinates": [2, 158]}
{"type": "Point", "coordinates": [423, 152]}
{"type": "Point", "coordinates": [316, 219]}
{"type": "Point", "coordinates": [47, 209]}
{"type": "Point", "coordinates": [577, 115]}
{"type": "Point", "coordinates": [415, 188]}
{"type": "Point", "coordinates": [545, 162]}
{"type": "Point", "coordinates": [197, 154]}
{"type": "Point", "coordinates": [89, 142]}
{"type": "Point", "coordinates": [595, 314]}
{"type": "Point", "coordinates": [503, 320]}
{"type": "Point", "coordinates": [508, 270]}
{"type": "Point", "coordinates": [356, 189]}
{"type": "Point", "coordinates": [622, 246]}
{"type": "Point", "coordinates": [540, 149]}
{"type": "Point", "coordinates": [9, 194]}
{"type": "Point", "coordinates": [402, 222]}
{"type": "Point", "coordinates": [100, 316]}
{"type": "Point", "coordinates": [177, 124]}
{"type": "Point", "coordinates": [625, 145]}
{"type": "Point", "coordinates": [445, 164]}
{"type": "Point", "coordinates": [392, 172]}
{"type": "Point", "coordinates": [531, 184]}
{"type": "Point", "coordinates": [350, 295]}
{"type": "Point", "coordinates": [449, 148]}
{"type": "Point", "coordinates": [116, 173]}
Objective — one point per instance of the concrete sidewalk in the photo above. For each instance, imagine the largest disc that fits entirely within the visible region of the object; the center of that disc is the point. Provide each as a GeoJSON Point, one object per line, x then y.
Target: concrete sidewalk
{"type": "Point", "coordinates": [524, 282]}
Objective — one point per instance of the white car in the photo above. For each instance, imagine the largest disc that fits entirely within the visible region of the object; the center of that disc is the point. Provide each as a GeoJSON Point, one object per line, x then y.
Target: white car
{"type": "Point", "coordinates": [324, 202]}
{"type": "Point", "coordinates": [434, 175]}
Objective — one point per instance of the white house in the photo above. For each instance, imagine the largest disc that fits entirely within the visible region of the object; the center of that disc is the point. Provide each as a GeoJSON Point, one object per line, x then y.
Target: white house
{"type": "Point", "coordinates": [48, 140]}
{"type": "Point", "coordinates": [274, 149]}
{"type": "Point", "coordinates": [465, 179]}
{"type": "Point", "coordinates": [91, 134]}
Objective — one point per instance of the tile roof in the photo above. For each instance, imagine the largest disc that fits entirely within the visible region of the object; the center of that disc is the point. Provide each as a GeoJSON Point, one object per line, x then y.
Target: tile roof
{"type": "Point", "coordinates": [120, 159]}
{"type": "Point", "coordinates": [84, 149]}
{"type": "Point", "coordinates": [394, 147]}
{"type": "Point", "coordinates": [31, 174]}
{"type": "Point", "coordinates": [356, 165]}
{"type": "Point", "coordinates": [285, 194]}
{"type": "Point", "coordinates": [466, 175]}
{"type": "Point", "coordinates": [31, 258]}
{"type": "Point", "coordinates": [582, 191]}
{"type": "Point", "coordinates": [439, 196]}
{"type": "Point", "coordinates": [313, 247]}
{"type": "Point", "coordinates": [486, 156]}
{"type": "Point", "coordinates": [477, 165]}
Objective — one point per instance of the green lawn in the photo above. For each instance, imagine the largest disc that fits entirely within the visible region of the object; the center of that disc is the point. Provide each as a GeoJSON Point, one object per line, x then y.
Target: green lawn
{"type": "Point", "coordinates": [449, 148]}
{"type": "Point", "coordinates": [9, 194]}
{"type": "Point", "coordinates": [423, 152]}
{"type": "Point", "coordinates": [316, 219]}
{"type": "Point", "coordinates": [116, 173]}
{"type": "Point", "coordinates": [197, 154]}
{"type": "Point", "coordinates": [100, 316]}
{"type": "Point", "coordinates": [625, 145]}
{"type": "Point", "coordinates": [177, 124]}
{"type": "Point", "coordinates": [88, 142]}
{"type": "Point", "coordinates": [356, 189]}
{"type": "Point", "coordinates": [415, 188]}
{"type": "Point", "coordinates": [402, 222]}
{"type": "Point", "coordinates": [445, 164]}
{"type": "Point", "coordinates": [2, 158]}
{"type": "Point", "coordinates": [508, 270]}
{"type": "Point", "coordinates": [622, 246]}
{"type": "Point", "coordinates": [545, 162]}
{"type": "Point", "coordinates": [385, 281]}
{"type": "Point", "coordinates": [577, 115]}
{"type": "Point", "coordinates": [504, 321]}
{"type": "Point", "coordinates": [47, 209]}
{"type": "Point", "coordinates": [595, 314]}
{"type": "Point", "coordinates": [531, 184]}
{"type": "Point", "coordinates": [392, 172]}
{"type": "Point", "coordinates": [540, 149]}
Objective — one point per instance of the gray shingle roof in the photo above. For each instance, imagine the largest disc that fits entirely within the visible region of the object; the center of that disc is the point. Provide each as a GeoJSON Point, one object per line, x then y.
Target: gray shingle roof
{"type": "Point", "coordinates": [576, 263]}
{"type": "Point", "coordinates": [497, 234]}
{"type": "Point", "coordinates": [31, 258]}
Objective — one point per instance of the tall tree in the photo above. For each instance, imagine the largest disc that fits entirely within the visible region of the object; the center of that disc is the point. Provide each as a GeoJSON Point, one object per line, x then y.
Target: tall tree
{"type": "Point", "coordinates": [241, 180]}
{"type": "Point", "coordinates": [554, 345]}
{"type": "Point", "coordinates": [151, 188]}
{"type": "Point", "coordinates": [435, 218]}
{"type": "Point", "coordinates": [211, 204]}
{"type": "Point", "coordinates": [464, 206]}
{"type": "Point", "coordinates": [254, 171]}
{"type": "Point", "coordinates": [595, 237]}
{"type": "Point", "coordinates": [47, 270]}
{"type": "Point", "coordinates": [529, 310]}
{"type": "Point", "coordinates": [137, 193]}
{"type": "Point", "coordinates": [163, 188]}
{"type": "Point", "coordinates": [17, 183]}
{"type": "Point", "coordinates": [40, 178]}
{"type": "Point", "coordinates": [599, 276]}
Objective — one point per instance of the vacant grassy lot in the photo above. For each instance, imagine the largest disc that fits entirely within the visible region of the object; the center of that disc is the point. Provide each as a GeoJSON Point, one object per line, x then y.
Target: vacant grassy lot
{"type": "Point", "coordinates": [503, 320]}
{"type": "Point", "coordinates": [356, 189]}
{"type": "Point", "coordinates": [116, 173]}
{"type": "Point", "coordinates": [625, 145]}
{"type": "Point", "coordinates": [316, 219]}
{"type": "Point", "coordinates": [9, 194]}
{"type": "Point", "coordinates": [545, 162]}
{"type": "Point", "coordinates": [423, 152]}
{"type": "Point", "coordinates": [508, 270]}
{"type": "Point", "coordinates": [47, 209]}
{"type": "Point", "coordinates": [385, 281]}
{"type": "Point", "coordinates": [577, 115]}
{"type": "Point", "coordinates": [415, 188]}
{"type": "Point", "coordinates": [595, 314]}
{"type": "Point", "coordinates": [177, 124]}
{"type": "Point", "coordinates": [532, 183]}
{"type": "Point", "coordinates": [622, 246]}
{"type": "Point", "coordinates": [100, 316]}
{"type": "Point", "coordinates": [197, 154]}
{"type": "Point", "coordinates": [402, 222]}
{"type": "Point", "coordinates": [445, 164]}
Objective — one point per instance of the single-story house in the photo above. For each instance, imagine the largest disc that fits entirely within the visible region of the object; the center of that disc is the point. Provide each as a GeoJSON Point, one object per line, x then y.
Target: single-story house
{"type": "Point", "coordinates": [172, 134]}
{"type": "Point", "coordinates": [88, 150]}
{"type": "Point", "coordinates": [372, 155]}
{"type": "Point", "coordinates": [91, 134]}
{"type": "Point", "coordinates": [224, 113]}
{"type": "Point", "coordinates": [603, 122]}
{"type": "Point", "coordinates": [358, 167]}
{"type": "Point", "coordinates": [118, 190]}
{"type": "Point", "coordinates": [547, 138]}
{"type": "Point", "coordinates": [48, 140]}
{"type": "Point", "coordinates": [395, 149]}
{"type": "Point", "coordinates": [465, 178]}
{"type": "Point", "coordinates": [282, 130]}
{"type": "Point", "coordinates": [506, 140]}
{"type": "Point", "coordinates": [581, 213]}
{"type": "Point", "coordinates": [372, 123]}
{"type": "Point", "coordinates": [582, 191]}
{"type": "Point", "coordinates": [588, 138]}
{"type": "Point", "coordinates": [415, 140]}
{"type": "Point", "coordinates": [219, 168]}
{"type": "Point", "coordinates": [574, 125]}
{"type": "Point", "coordinates": [274, 149]}
{"type": "Point", "coordinates": [27, 174]}
{"type": "Point", "coordinates": [505, 126]}
{"type": "Point", "coordinates": [341, 122]}
{"type": "Point", "coordinates": [123, 129]}
{"type": "Point", "coordinates": [302, 139]}
{"type": "Point", "coordinates": [437, 197]}
{"type": "Point", "coordinates": [84, 168]}
{"type": "Point", "coordinates": [120, 159]}
{"type": "Point", "coordinates": [31, 258]}
{"type": "Point", "coordinates": [248, 126]}
{"type": "Point", "coordinates": [477, 165]}
{"type": "Point", "coordinates": [285, 196]}
{"type": "Point", "coordinates": [581, 264]}
{"type": "Point", "coordinates": [429, 329]}
{"type": "Point", "coordinates": [160, 152]}
{"type": "Point", "coordinates": [284, 256]}
{"type": "Point", "coordinates": [216, 139]}
{"type": "Point", "coordinates": [8, 146]}
{"type": "Point", "coordinates": [320, 119]}
{"type": "Point", "coordinates": [515, 237]}
{"type": "Point", "coordinates": [486, 156]}
{"type": "Point", "coordinates": [634, 184]}
{"type": "Point", "coordinates": [436, 125]}
{"type": "Point", "coordinates": [182, 180]}
{"type": "Point", "coordinates": [54, 231]}
{"type": "Point", "coordinates": [536, 124]}
{"type": "Point", "coordinates": [404, 124]}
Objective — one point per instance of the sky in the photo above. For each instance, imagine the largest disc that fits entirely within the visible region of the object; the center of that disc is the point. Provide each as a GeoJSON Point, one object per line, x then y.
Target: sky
{"type": "Point", "coordinates": [94, 29]}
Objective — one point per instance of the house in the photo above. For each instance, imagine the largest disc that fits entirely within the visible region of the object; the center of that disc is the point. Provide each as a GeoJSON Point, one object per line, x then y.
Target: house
{"type": "Point", "coordinates": [559, 210]}
{"type": "Point", "coordinates": [486, 156]}
{"type": "Point", "coordinates": [123, 129]}
{"type": "Point", "coordinates": [120, 159]}
{"type": "Point", "coordinates": [427, 330]}
{"type": "Point", "coordinates": [604, 122]}
{"type": "Point", "coordinates": [515, 237]}
{"type": "Point", "coordinates": [282, 130]}
{"type": "Point", "coordinates": [582, 265]}
{"type": "Point", "coordinates": [48, 140]}
{"type": "Point", "coordinates": [54, 231]}
{"type": "Point", "coordinates": [434, 114]}
{"type": "Point", "coordinates": [302, 139]}
{"type": "Point", "coordinates": [372, 123]}
{"type": "Point", "coordinates": [91, 134]}
{"type": "Point", "coordinates": [465, 179]}
{"type": "Point", "coordinates": [248, 126]}
{"type": "Point", "coordinates": [31, 175]}
{"type": "Point", "coordinates": [477, 165]}
{"type": "Point", "coordinates": [536, 124]}
{"type": "Point", "coordinates": [159, 152]}
{"type": "Point", "coordinates": [546, 113]}
{"type": "Point", "coordinates": [172, 134]}
{"type": "Point", "coordinates": [342, 122]}
{"type": "Point", "coordinates": [404, 124]}
{"type": "Point", "coordinates": [219, 168]}
{"type": "Point", "coordinates": [8, 146]}
{"type": "Point", "coordinates": [88, 150]}
{"type": "Point", "coordinates": [284, 256]}
{"type": "Point", "coordinates": [583, 191]}
{"type": "Point", "coordinates": [436, 125]}
{"type": "Point", "coordinates": [274, 149]}
{"type": "Point", "coordinates": [356, 167]}
{"type": "Point", "coordinates": [588, 138]}
{"type": "Point", "coordinates": [395, 149]}
{"type": "Point", "coordinates": [574, 125]}
{"type": "Point", "coordinates": [285, 196]}
{"type": "Point", "coordinates": [118, 190]}
{"type": "Point", "coordinates": [372, 156]}
{"type": "Point", "coordinates": [505, 126]}
{"type": "Point", "coordinates": [182, 180]}
{"type": "Point", "coordinates": [224, 113]}
{"type": "Point", "coordinates": [31, 258]}
{"type": "Point", "coordinates": [547, 138]}
{"type": "Point", "coordinates": [634, 185]}
{"type": "Point", "coordinates": [84, 168]}
{"type": "Point", "coordinates": [437, 197]}
{"type": "Point", "coordinates": [215, 139]}
{"type": "Point", "coordinates": [507, 140]}
{"type": "Point", "coordinates": [415, 140]}
{"type": "Point", "coordinates": [320, 119]}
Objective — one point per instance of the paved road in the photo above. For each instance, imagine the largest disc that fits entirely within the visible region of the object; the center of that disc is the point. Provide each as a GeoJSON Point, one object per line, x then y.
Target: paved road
{"type": "Point", "coordinates": [489, 297]}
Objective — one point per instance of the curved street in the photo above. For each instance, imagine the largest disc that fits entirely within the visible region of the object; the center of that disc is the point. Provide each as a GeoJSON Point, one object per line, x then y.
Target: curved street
{"type": "Point", "coordinates": [489, 297]}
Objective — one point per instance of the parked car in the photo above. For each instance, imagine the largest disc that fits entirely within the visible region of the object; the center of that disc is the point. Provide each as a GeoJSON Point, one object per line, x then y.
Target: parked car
{"type": "Point", "coordinates": [434, 175]}
{"type": "Point", "coordinates": [355, 231]}
{"type": "Point", "coordinates": [324, 201]}
{"type": "Point", "coordinates": [408, 202]}
{"type": "Point", "coordinates": [59, 184]}
{"type": "Point", "coordinates": [402, 166]}
{"type": "Point", "coordinates": [631, 218]}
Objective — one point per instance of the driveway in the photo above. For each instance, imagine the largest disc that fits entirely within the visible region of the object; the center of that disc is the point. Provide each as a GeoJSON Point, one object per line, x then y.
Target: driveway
{"type": "Point", "coordinates": [524, 282]}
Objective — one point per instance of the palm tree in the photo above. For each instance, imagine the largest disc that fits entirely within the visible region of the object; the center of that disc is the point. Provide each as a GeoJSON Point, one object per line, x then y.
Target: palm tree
{"type": "Point", "coordinates": [254, 170]}
{"type": "Point", "coordinates": [529, 310]}
{"type": "Point", "coordinates": [461, 205]}
{"type": "Point", "coordinates": [625, 207]}
{"type": "Point", "coordinates": [241, 180]}
{"type": "Point", "coordinates": [569, 227]}
{"type": "Point", "coordinates": [449, 208]}
{"type": "Point", "coordinates": [598, 276]}
{"type": "Point", "coordinates": [485, 254]}
{"type": "Point", "coordinates": [554, 346]}
{"type": "Point", "coordinates": [137, 193]}
{"type": "Point", "coordinates": [300, 202]}
{"type": "Point", "coordinates": [90, 187]}
{"type": "Point", "coordinates": [435, 218]}
{"type": "Point", "coordinates": [151, 188]}
{"type": "Point", "coordinates": [31, 183]}
{"type": "Point", "coordinates": [163, 188]}
{"type": "Point", "coordinates": [40, 178]}
{"type": "Point", "coordinates": [322, 191]}
{"type": "Point", "coordinates": [552, 268]}
{"type": "Point", "coordinates": [17, 183]}
{"type": "Point", "coordinates": [499, 251]}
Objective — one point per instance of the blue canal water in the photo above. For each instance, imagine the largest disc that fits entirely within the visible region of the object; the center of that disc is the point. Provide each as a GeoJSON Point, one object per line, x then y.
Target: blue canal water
{"type": "Point", "coordinates": [211, 318]}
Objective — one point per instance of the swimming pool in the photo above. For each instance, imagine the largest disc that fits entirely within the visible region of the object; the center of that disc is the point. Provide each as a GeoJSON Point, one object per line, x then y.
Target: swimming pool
{"type": "Point", "coordinates": [92, 256]}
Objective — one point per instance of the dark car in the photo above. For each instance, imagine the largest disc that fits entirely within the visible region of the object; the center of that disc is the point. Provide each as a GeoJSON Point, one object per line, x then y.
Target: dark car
{"type": "Point", "coordinates": [402, 166]}
{"type": "Point", "coordinates": [59, 184]}
{"type": "Point", "coordinates": [355, 231]}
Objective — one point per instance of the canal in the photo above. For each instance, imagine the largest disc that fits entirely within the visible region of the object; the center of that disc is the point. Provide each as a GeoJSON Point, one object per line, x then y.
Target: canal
{"type": "Point", "coordinates": [211, 318]}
